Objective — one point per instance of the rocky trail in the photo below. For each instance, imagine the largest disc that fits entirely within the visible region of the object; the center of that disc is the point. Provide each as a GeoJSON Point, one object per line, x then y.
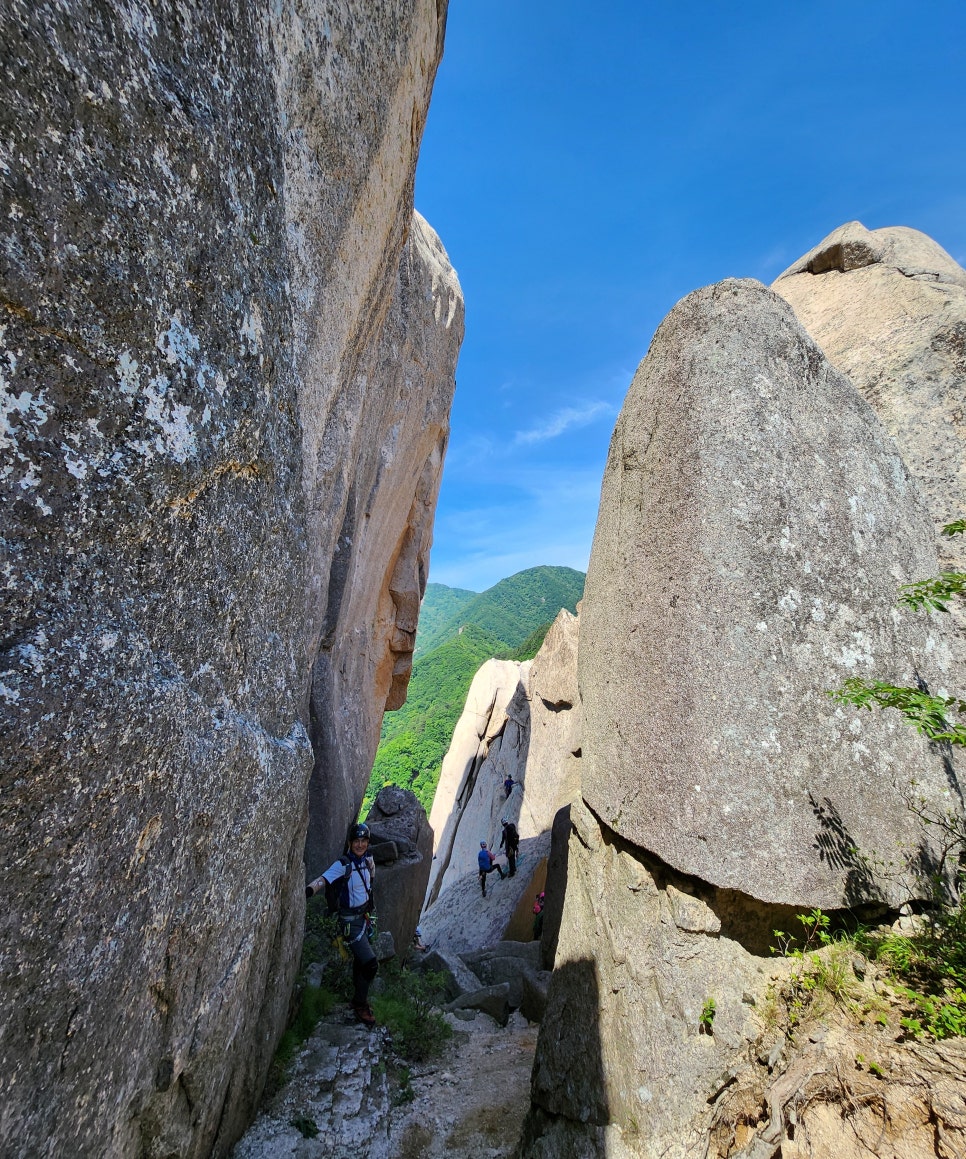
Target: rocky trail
{"type": "Point", "coordinates": [348, 1085]}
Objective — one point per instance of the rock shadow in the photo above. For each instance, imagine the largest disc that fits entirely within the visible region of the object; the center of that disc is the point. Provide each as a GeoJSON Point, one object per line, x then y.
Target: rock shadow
{"type": "Point", "coordinates": [556, 887]}
{"type": "Point", "coordinates": [569, 1107]}
{"type": "Point", "coordinates": [865, 877]}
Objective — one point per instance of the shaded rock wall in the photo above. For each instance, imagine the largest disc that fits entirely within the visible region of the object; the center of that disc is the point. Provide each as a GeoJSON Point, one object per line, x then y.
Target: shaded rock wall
{"type": "Point", "coordinates": [640, 951]}
{"type": "Point", "coordinates": [755, 522]}
{"type": "Point", "coordinates": [402, 844]}
{"type": "Point", "coordinates": [888, 308]}
{"type": "Point", "coordinates": [201, 294]}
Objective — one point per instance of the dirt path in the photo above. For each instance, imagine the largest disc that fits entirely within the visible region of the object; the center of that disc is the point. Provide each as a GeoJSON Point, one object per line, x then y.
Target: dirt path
{"type": "Point", "coordinates": [472, 1103]}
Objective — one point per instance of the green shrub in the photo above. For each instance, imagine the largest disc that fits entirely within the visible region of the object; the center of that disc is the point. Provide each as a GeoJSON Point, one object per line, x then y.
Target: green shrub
{"type": "Point", "coordinates": [405, 1004]}
{"type": "Point", "coordinates": [926, 969]}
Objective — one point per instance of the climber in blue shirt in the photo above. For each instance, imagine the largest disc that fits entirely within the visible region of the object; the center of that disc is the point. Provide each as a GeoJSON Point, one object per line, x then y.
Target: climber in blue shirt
{"type": "Point", "coordinates": [487, 863]}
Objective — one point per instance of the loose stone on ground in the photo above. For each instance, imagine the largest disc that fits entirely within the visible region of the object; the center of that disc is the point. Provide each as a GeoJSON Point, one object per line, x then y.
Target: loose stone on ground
{"type": "Point", "coordinates": [347, 1084]}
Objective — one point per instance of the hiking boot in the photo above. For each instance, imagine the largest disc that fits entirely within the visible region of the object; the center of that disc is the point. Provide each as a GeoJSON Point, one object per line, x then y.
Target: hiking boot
{"type": "Point", "coordinates": [364, 1014]}
{"type": "Point", "coordinates": [502, 874]}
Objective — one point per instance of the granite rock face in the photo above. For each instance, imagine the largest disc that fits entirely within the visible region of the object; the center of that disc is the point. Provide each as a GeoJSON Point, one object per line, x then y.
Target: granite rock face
{"type": "Point", "coordinates": [401, 390]}
{"type": "Point", "coordinates": [622, 1067]}
{"type": "Point", "coordinates": [755, 524]}
{"type": "Point", "coordinates": [225, 375]}
{"type": "Point", "coordinates": [469, 797]}
{"type": "Point", "coordinates": [521, 720]}
{"type": "Point", "coordinates": [888, 308]}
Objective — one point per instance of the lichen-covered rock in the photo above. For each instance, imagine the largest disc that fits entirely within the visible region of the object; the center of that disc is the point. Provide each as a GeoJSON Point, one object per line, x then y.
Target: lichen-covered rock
{"type": "Point", "coordinates": [338, 1087]}
{"type": "Point", "coordinates": [888, 308]}
{"type": "Point", "coordinates": [223, 380]}
{"type": "Point", "coordinates": [755, 524]}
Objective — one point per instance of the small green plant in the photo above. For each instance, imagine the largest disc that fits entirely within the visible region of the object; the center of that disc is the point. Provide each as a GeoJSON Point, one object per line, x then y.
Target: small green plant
{"type": "Point", "coordinates": [822, 976]}
{"type": "Point", "coordinates": [706, 1018]}
{"type": "Point", "coordinates": [404, 1091]}
{"type": "Point", "coordinates": [816, 925]}
{"type": "Point", "coordinates": [406, 1005]}
{"type": "Point", "coordinates": [305, 1126]}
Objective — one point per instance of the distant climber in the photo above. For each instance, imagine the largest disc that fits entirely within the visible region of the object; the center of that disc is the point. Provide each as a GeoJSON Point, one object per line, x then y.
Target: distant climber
{"type": "Point", "coordinates": [355, 907]}
{"type": "Point", "coordinates": [510, 841]}
{"type": "Point", "coordinates": [487, 863]}
{"type": "Point", "coordinates": [508, 786]}
{"type": "Point", "coordinates": [538, 915]}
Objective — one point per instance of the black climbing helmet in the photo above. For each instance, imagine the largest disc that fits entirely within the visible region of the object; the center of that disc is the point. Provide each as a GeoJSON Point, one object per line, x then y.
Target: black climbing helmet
{"type": "Point", "coordinates": [359, 831]}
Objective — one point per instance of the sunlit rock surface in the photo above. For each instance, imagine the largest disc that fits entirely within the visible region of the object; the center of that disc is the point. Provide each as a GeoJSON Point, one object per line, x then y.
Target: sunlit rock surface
{"type": "Point", "coordinates": [225, 375]}
{"type": "Point", "coordinates": [888, 308]}
{"type": "Point", "coordinates": [521, 720]}
{"type": "Point", "coordinates": [755, 524]}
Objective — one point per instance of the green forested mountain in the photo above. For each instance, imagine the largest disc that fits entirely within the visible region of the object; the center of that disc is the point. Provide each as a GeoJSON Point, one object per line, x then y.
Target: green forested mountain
{"type": "Point", "coordinates": [508, 620]}
{"type": "Point", "coordinates": [440, 604]}
{"type": "Point", "coordinates": [513, 608]}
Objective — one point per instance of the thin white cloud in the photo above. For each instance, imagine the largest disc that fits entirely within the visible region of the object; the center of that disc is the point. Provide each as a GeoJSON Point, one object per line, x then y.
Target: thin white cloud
{"type": "Point", "coordinates": [569, 418]}
{"type": "Point", "coordinates": [479, 543]}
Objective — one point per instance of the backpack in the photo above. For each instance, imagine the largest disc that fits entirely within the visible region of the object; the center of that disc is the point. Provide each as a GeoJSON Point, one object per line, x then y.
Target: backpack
{"type": "Point", "coordinates": [484, 859]}
{"type": "Point", "coordinates": [337, 892]}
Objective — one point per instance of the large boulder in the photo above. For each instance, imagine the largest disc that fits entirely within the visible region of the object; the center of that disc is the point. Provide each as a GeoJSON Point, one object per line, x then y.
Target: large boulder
{"type": "Point", "coordinates": [457, 977]}
{"type": "Point", "coordinates": [622, 1066]}
{"type": "Point", "coordinates": [755, 523]}
{"type": "Point", "coordinates": [888, 308]}
{"type": "Point", "coordinates": [398, 822]}
{"type": "Point", "coordinates": [228, 352]}
{"type": "Point", "coordinates": [508, 962]}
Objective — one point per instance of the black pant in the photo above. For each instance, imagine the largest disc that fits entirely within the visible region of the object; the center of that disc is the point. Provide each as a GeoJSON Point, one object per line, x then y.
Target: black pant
{"type": "Point", "coordinates": [365, 965]}
{"type": "Point", "coordinates": [511, 856]}
{"type": "Point", "coordinates": [484, 872]}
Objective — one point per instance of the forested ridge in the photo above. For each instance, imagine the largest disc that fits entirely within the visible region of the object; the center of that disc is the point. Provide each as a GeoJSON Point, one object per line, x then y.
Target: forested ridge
{"type": "Point", "coordinates": [510, 610]}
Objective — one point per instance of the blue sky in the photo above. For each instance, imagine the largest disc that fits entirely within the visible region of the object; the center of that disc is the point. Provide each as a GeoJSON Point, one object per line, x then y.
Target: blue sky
{"type": "Point", "coordinates": [586, 169]}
